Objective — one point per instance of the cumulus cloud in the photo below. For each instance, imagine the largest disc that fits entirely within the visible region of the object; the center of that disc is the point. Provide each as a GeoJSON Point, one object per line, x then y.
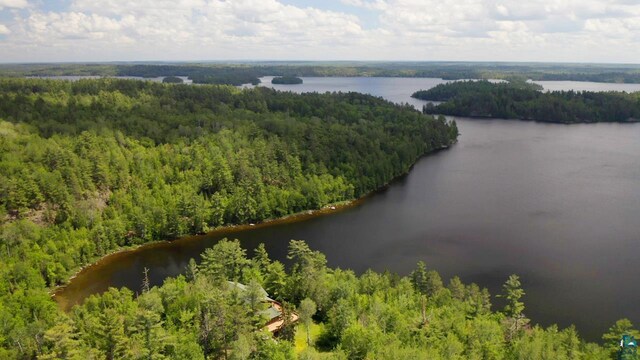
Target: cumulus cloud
{"type": "Point", "coordinates": [15, 4]}
{"type": "Point", "coordinates": [4, 30]}
{"type": "Point", "coordinates": [269, 29]}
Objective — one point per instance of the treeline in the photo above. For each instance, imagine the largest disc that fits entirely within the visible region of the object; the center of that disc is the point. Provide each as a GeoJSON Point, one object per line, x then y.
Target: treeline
{"type": "Point", "coordinates": [198, 315]}
{"type": "Point", "coordinates": [91, 166]}
{"type": "Point", "coordinates": [518, 101]}
{"type": "Point", "coordinates": [226, 75]}
{"type": "Point", "coordinates": [243, 73]}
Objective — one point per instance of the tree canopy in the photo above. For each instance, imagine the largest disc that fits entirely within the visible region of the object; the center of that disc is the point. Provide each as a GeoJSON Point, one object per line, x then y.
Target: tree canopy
{"type": "Point", "coordinates": [367, 316]}
{"type": "Point", "coordinates": [93, 166]}
{"type": "Point", "coordinates": [524, 101]}
{"type": "Point", "coordinates": [244, 73]}
{"type": "Point", "coordinates": [172, 80]}
{"type": "Point", "coordinates": [286, 80]}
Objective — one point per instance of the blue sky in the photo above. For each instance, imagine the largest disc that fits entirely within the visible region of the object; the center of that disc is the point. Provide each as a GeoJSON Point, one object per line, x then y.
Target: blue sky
{"type": "Point", "coordinates": [417, 30]}
{"type": "Point", "coordinates": [368, 18]}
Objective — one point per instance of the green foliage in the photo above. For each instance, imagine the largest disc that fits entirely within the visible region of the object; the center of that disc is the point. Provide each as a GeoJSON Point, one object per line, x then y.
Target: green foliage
{"type": "Point", "coordinates": [92, 166]}
{"type": "Point", "coordinates": [225, 261]}
{"type": "Point", "coordinates": [614, 335]}
{"type": "Point", "coordinates": [521, 100]}
{"type": "Point", "coordinates": [308, 275]}
{"type": "Point", "coordinates": [372, 316]}
{"type": "Point", "coordinates": [172, 80]}
{"type": "Point", "coordinates": [513, 309]}
{"type": "Point", "coordinates": [306, 310]}
{"type": "Point", "coordinates": [237, 74]}
{"type": "Point", "coordinates": [426, 282]}
{"type": "Point", "coordinates": [513, 292]}
{"type": "Point", "coordinates": [286, 80]}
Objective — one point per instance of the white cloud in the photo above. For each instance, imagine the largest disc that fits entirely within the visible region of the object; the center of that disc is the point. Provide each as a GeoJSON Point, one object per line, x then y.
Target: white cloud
{"type": "Point", "coordinates": [554, 30]}
{"type": "Point", "coordinates": [368, 4]}
{"type": "Point", "coordinates": [4, 30]}
{"type": "Point", "coordinates": [203, 29]}
{"type": "Point", "coordinates": [15, 4]}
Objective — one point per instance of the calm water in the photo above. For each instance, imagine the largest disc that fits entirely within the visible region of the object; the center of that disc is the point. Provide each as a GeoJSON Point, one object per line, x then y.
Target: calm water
{"type": "Point", "coordinates": [587, 86]}
{"type": "Point", "coordinates": [558, 205]}
{"type": "Point", "coordinates": [398, 90]}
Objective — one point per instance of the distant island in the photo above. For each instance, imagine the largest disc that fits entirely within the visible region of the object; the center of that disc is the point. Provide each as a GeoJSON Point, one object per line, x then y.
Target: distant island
{"type": "Point", "coordinates": [525, 101]}
{"type": "Point", "coordinates": [286, 80]}
{"type": "Point", "coordinates": [172, 80]}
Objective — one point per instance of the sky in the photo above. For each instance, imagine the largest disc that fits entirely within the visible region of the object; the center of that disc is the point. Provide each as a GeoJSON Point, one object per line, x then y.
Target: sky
{"type": "Point", "coordinates": [601, 31]}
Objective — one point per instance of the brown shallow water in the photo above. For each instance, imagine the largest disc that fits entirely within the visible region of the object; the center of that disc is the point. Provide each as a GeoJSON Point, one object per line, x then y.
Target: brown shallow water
{"type": "Point", "coordinates": [559, 205]}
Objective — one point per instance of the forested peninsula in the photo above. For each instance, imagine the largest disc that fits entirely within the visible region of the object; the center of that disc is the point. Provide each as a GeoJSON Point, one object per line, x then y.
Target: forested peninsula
{"type": "Point", "coordinates": [92, 166]}
{"type": "Point", "coordinates": [526, 101]}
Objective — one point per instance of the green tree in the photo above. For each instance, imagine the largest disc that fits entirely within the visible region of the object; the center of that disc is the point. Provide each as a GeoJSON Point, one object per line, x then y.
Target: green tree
{"type": "Point", "coordinates": [426, 282]}
{"type": "Point", "coordinates": [306, 310]}
{"type": "Point", "coordinates": [613, 336]}
{"type": "Point", "coordinates": [241, 349]}
{"type": "Point", "coordinates": [225, 261]}
{"type": "Point", "coordinates": [287, 330]}
{"type": "Point", "coordinates": [111, 336]}
{"type": "Point", "coordinates": [308, 272]}
{"type": "Point", "coordinates": [513, 308]}
{"type": "Point", "coordinates": [457, 288]}
{"type": "Point", "coordinates": [61, 342]}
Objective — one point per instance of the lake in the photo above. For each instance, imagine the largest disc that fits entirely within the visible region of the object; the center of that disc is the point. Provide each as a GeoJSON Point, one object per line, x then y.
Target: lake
{"type": "Point", "coordinates": [556, 204]}
{"type": "Point", "coordinates": [587, 86]}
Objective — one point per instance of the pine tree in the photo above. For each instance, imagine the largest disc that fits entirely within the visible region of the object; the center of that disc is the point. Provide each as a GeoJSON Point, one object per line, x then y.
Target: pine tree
{"type": "Point", "coordinates": [513, 309]}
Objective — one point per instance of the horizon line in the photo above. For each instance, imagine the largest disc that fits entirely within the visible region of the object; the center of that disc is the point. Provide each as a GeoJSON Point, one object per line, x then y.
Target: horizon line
{"type": "Point", "coordinates": [245, 61]}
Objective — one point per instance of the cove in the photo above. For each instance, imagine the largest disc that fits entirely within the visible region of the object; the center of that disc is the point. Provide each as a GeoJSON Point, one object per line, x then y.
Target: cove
{"type": "Point", "coordinates": [556, 204]}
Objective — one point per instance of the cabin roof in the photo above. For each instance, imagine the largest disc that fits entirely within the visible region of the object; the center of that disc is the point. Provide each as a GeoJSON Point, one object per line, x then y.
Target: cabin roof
{"type": "Point", "coordinates": [271, 313]}
{"type": "Point", "coordinates": [243, 287]}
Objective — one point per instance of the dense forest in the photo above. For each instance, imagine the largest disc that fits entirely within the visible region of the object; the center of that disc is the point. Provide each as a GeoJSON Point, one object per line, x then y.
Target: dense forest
{"type": "Point", "coordinates": [250, 72]}
{"type": "Point", "coordinates": [519, 100]}
{"type": "Point", "coordinates": [92, 166]}
{"type": "Point", "coordinates": [286, 80]}
{"type": "Point", "coordinates": [198, 315]}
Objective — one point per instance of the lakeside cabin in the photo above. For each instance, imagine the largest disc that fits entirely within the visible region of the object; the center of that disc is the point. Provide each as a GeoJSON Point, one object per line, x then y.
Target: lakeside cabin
{"type": "Point", "coordinates": [273, 313]}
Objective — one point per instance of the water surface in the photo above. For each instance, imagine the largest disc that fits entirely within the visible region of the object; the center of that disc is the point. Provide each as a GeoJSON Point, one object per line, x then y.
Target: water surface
{"type": "Point", "coordinates": [398, 90]}
{"type": "Point", "coordinates": [587, 86]}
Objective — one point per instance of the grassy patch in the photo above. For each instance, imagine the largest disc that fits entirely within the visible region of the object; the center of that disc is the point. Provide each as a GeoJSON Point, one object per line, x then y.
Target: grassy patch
{"type": "Point", "coordinates": [301, 335]}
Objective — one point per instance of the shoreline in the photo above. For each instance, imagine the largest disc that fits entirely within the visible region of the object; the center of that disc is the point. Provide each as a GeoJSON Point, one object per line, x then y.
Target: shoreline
{"type": "Point", "coordinates": [328, 209]}
{"type": "Point", "coordinates": [295, 217]}
{"type": "Point", "coordinates": [479, 117]}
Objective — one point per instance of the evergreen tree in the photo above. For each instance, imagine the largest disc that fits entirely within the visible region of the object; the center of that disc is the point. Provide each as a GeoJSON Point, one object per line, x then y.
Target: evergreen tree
{"type": "Point", "coordinates": [613, 336]}
{"type": "Point", "coordinates": [513, 309]}
{"type": "Point", "coordinates": [225, 261]}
